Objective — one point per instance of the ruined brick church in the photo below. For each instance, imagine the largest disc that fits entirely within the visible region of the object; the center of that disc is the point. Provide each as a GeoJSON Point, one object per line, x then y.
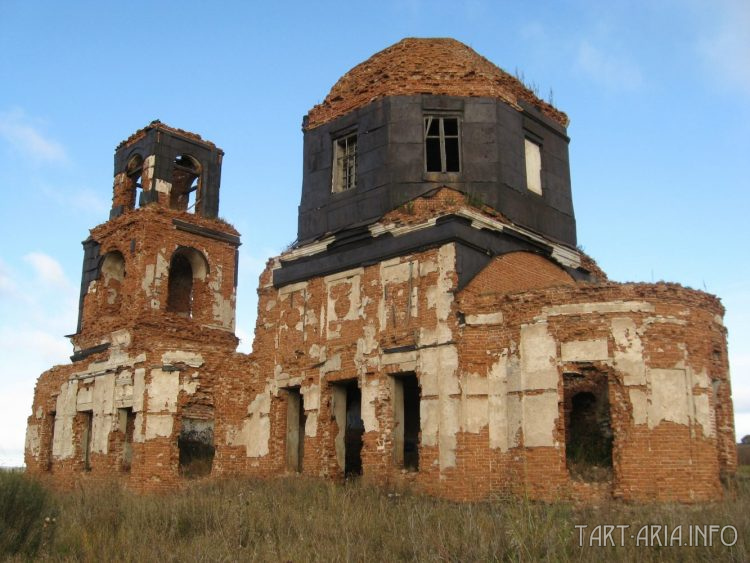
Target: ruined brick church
{"type": "Point", "coordinates": [434, 325]}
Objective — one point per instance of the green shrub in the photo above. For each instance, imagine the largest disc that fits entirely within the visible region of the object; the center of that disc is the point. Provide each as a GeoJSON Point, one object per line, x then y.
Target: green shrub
{"type": "Point", "coordinates": [25, 514]}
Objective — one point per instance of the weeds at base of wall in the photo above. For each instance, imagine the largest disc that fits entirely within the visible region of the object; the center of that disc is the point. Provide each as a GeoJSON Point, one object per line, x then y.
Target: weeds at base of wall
{"type": "Point", "coordinates": [300, 519]}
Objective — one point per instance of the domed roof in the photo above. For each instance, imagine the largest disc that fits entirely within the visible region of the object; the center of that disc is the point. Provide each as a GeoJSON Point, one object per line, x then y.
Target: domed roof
{"type": "Point", "coordinates": [424, 66]}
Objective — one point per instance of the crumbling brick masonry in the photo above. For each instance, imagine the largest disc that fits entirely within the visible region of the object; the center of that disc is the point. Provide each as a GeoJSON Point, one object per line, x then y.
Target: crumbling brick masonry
{"type": "Point", "coordinates": [434, 325]}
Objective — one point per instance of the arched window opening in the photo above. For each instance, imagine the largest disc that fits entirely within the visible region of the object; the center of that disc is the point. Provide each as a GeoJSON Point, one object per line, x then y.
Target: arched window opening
{"type": "Point", "coordinates": [180, 298]}
{"type": "Point", "coordinates": [187, 269]}
{"type": "Point", "coordinates": [588, 430]}
{"type": "Point", "coordinates": [186, 184]}
{"type": "Point", "coordinates": [112, 277]}
{"type": "Point", "coordinates": [134, 172]}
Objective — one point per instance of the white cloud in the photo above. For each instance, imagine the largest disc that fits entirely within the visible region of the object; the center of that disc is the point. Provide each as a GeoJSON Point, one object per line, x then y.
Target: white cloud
{"type": "Point", "coordinates": [607, 68]}
{"type": "Point", "coordinates": [726, 48]}
{"type": "Point", "coordinates": [48, 270]}
{"type": "Point", "coordinates": [7, 285]}
{"type": "Point", "coordinates": [16, 129]}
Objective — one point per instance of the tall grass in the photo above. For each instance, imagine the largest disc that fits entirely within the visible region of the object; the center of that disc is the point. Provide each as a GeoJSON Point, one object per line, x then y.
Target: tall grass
{"type": "Point", "coordinates": [298, 519]}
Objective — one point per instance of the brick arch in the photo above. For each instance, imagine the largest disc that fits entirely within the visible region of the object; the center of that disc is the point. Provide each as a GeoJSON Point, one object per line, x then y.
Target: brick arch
{"type": "Point", "coordinates": [188, 269]}
{"type": "Point", "coordinates": [518, 271]}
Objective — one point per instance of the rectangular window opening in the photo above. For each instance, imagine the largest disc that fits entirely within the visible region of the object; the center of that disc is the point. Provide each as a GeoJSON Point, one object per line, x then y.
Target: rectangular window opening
{"type": "Point", "coordinates": [295, 429]}
{"type": "Point", "coordinates": [126, 423]}
{"type": "Point", "coordinates": [196, 446]}
{"type": "Point", "coordinates": [588, 429]}
{"type": "Point", "coordinates": [442, 144]}
{"type": "Point", "coordinates": [347, 412]}
{"type": "Point", "coordinates": [406, 421]}
{"type": "Point", "coordinates": [345, 163]}
{"type": "Point", "coordinates": [533, 166]}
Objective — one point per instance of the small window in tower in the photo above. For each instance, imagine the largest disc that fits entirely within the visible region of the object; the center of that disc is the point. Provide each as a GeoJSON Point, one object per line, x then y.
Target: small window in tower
{"type": "Point", "coordinates": [441, 143]}
{"type": "Point", "coordinates": [533, 166]}
{"type": "Point", "coordinates": [345, 163]}
{"type": "Point", "coordinates": [186, 184]}
{"type": "Point", "coordinates": [134, 172]}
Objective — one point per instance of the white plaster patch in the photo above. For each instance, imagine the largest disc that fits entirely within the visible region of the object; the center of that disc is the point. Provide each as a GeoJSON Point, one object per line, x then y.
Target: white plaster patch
{"type": "Point", "coordinates": [474, 384]}
{"type": "Point", "coordinates": [485, 319]}
{"type": "Point", "coordinates": [497, 417]}
{"type": "Point", "coordinates": [540, 413]}
{"type": "Point", "coordinates": [65, 409]}
{"type": "Point", "coordinates": [120, 338]}
{"type": "Point", "coordinates": [437, 371]}
{"type": "Point", "coordinates": [147, 284]}
{"type": "Point", "coordinates": [311, 397]}
{"type": "Point", "coordinates": [703, 415]}
{"type": "Point", "coordinates": [401, 358]}
{"type": "Point", "coordinates": [538, 358]}
{"type": "Point", "coordinates": [669, 396]}
{"type": "Point", "coordinates": [369, 400]}
{"type": "Point", "coordinates": [331, 364]}
{"type": "Point", "coordinates": [429, 418]}
{"type": "Point", "coordinates": [163, 390]}
{"type": "Point", "coordinates": [222, 309]}
{"type": "Point", "coordinates": [32, 440]}
{"type": "Point", "coordinates": [139, 388]}
{"type": "Point", "coordinates": [162, 186]}
{"type": "Point", "coordinates": [603, 307]}
{"type": "Point", "coordinates": [475, 414]}
{"type": "Point", "coordinates": [192, 359]}
{"type": "Point", "coordinates": [584, 350]}
{"type": "Point", "coordinates": [440, 298]}
{"type": "Point", "coordinates": [352, 278]}
{"type": "Point", "coordinates": [158, 425]}
{"type": "Point", "coordinates": [628, 351]}
{"type": "Point", "coordinates": [256, 428]}
{"type": "Point", "coordinates": [639, 402]}
{"type": "Point", "coordinates": [311, 424]}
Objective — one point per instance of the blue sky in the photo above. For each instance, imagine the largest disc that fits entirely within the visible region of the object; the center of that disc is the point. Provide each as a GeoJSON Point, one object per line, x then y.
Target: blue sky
{"type": "Point", "coordinates": [658, 94]}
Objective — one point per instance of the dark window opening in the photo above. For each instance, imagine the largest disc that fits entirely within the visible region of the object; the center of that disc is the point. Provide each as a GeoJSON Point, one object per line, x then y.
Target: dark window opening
{"type": "Point", "coordinates": [345, 163]}
{"type": "Point", "coordinates": [588, 431]}
{"type": "Point", "coordinates": [186, 183]}
{"type": "Point", "coordinates": [134, 172]}
{"type": "Point", "coordinates": [127, 427]}
{"type": "Point", "coordinates": [347, 410]}
{"type": "Point", "coordinates": [406, 422]}
{"type": "Point", "coordinates": [180, 287]}
{"type": "Point", "coordinates": [295, 430]}
{"type": "Point", "coordinates": [442, 145]}
{"type": "Point", "coordinates": [87, 435]}
{"type": "Point", "coordinates": [196, 445]}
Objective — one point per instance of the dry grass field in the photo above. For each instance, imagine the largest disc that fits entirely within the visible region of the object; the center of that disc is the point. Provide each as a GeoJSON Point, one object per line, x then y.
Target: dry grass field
{"type": "Point", "coordinates": [298, 519]}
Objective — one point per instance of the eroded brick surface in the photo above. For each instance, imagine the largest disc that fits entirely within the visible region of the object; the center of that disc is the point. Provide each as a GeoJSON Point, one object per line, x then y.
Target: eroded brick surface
{"type": "Point", "coordinates": [506, 363]}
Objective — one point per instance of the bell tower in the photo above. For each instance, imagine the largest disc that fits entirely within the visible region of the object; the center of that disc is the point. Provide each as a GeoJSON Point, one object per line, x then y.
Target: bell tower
{"type": "Point", "coordinates": [163, 261]}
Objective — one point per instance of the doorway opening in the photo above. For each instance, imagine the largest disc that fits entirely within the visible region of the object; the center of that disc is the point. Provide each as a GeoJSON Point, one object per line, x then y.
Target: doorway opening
{"type": "Point", "coordinates": [406, 421]}
{"type": "Point", "coordinates": [295, 429]}
{"type": "Point", "coordinates": [588, 430]}
{"type": "Point", "coordinates": [347, 407]}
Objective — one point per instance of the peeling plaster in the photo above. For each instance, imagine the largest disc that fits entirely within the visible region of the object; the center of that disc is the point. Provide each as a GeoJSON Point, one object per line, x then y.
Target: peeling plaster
{"type": "Point", "coordinates": [584, 350]}
{"type": "Point", "coordinates": [628, 351]}
{"type": "Point", "coordinates": [538, 358]}
{"type": "Point", "coordinates": [192, 359]}
{"type": "Point", "coordinates": [370, 391]}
